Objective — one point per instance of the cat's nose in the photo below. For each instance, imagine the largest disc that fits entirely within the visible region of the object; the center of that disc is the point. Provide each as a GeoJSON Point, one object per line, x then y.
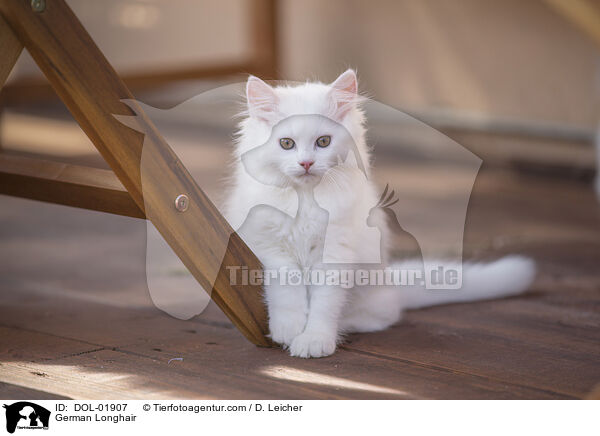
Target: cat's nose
{"type": "Point", "coordinates": [306, 164]}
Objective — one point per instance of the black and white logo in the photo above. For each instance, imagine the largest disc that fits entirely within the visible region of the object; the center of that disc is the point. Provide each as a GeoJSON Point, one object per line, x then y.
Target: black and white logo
{"type": "Point", "coordinates": [26, 415]}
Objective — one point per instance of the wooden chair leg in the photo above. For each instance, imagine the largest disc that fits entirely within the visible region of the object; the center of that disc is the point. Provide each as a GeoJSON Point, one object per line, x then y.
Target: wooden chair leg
{"type": "Point", "coordinates": [92, 91]}
{"type": "Point", "coordinates": [10, 50]}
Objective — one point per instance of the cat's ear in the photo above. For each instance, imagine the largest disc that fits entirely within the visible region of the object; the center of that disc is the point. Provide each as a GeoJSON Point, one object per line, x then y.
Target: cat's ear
{"type": "Point", "coordinates": [344, 94]}
{"type": "Point", "coordinates": [262, 99]}
{"type": "Point", "coordinates": [346, 82]}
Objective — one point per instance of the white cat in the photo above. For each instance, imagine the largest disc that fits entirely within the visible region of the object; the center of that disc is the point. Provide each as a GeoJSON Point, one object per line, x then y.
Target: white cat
{"type": "Point", "coordinates": [300, 187]}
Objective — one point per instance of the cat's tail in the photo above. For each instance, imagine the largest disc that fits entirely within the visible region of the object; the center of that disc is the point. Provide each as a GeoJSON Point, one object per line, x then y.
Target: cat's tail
{"type": "Point", "coordinates": [510, 275]}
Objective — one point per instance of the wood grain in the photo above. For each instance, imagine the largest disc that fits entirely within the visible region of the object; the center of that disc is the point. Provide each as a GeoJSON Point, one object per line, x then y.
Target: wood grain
{"type": "Point", "coordinates": [509, 341]}
{"type": "Point", "coordinates": [28, 90]}
{"type": "Point", "coordinates": [69, 185]}
{"type": "Point", "coordinates": [542, 344]}
{"type": "Point", "coordinates": [217, 365]}
{"type": "Point", "coordinates": [10, 50]}
{"type": "Point", "coordinates": [91, 89]}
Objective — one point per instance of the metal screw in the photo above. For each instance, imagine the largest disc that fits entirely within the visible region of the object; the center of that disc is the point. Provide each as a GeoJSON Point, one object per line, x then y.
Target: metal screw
{"type": "Point", "coordinates": [182, 202]}
{"type": "Point", "coordinates": [38, 5]}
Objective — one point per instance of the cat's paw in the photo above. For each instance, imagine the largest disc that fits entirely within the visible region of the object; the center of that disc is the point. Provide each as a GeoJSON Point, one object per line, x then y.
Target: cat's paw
{"type": "Point", "coordinates": [285, 327]}
{"type": "Point", "coordinates": [313, 344]}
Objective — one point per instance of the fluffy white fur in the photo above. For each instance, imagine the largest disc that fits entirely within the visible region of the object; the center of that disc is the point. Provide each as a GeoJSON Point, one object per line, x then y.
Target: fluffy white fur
{"type": "Point", "coordinates": [284, 214]}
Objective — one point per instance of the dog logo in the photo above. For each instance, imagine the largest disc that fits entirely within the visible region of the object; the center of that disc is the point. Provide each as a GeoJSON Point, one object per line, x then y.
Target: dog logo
{"type": "Point", "coordinates": [26, 415]}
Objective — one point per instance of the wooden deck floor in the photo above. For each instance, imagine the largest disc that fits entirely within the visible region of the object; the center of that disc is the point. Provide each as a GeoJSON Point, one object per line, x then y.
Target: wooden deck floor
{"type": "Point", "coordinates": [76, 319]}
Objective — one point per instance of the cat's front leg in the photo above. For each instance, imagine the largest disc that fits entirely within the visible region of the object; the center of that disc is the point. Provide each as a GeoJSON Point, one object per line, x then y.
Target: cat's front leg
{"type": "Point", "coordinates": [287, 306]}
{"type": "Point", "coordinates": [319, 338]}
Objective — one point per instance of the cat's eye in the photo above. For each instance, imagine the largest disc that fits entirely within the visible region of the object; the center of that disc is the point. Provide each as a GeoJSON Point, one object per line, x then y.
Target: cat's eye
{"type": "Point", "coordinates": [287, 143]}
{"type": "Point", "coordinates": [324, 141]}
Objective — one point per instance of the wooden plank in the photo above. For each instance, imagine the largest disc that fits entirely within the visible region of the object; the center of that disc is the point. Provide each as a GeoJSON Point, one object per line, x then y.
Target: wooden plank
{"type": "Point", "coordinates": [38, 346]}
{"type": "Point", "coordinates": [16, 392]}
{"type": "Point", "coordinates": [83, 379]}
{"type": "Point", "coordinates": [28, 90]}
{"type": "Point", "coordinates": [69, 185]}
{"type": "Point", "coordinates": [10, 50]}
{"type": "Point", "coordinates": [540, 345]}
{"type": "Point", "coordinates": [92, 91]}
{"type": "Point", "coordinates": [230, 369]}
{"type": "Point", "coordinates": [218, 364]}
{"type": "Point", "coordinates": [511, 341]}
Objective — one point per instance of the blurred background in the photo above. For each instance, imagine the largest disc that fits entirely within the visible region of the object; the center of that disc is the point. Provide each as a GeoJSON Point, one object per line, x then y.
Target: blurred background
{"type": "Point", "coordinates": [517, 82]}
{"type": "Point", "coordinates": [513, 80]}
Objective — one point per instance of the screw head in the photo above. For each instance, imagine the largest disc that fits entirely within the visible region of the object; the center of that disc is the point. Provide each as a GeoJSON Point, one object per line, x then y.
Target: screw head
{"type": "Point", "coordinates": [182, 202]}
{"type": "Point", "coordinates": [38, 5]}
